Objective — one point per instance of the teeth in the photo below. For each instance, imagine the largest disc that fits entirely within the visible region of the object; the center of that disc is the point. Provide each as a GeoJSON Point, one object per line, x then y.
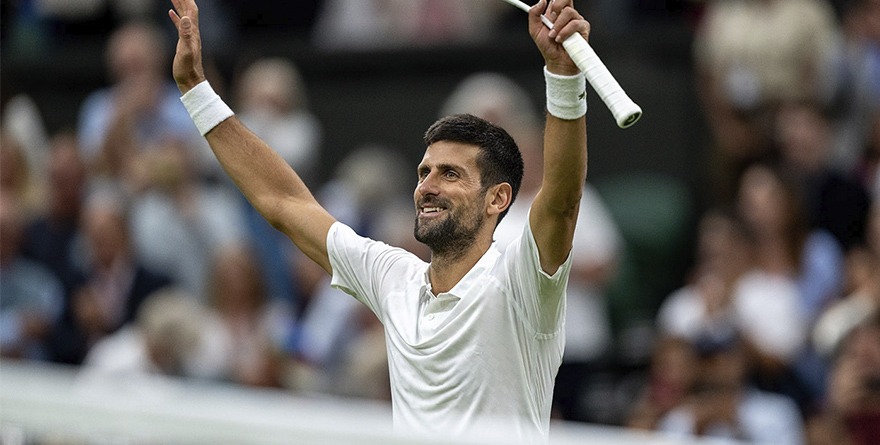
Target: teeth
{"type": "Point", "coordinates": [431, 209]}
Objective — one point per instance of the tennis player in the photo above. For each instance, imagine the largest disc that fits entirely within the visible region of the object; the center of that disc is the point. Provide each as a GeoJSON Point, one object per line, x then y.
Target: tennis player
{"type": "Point", "coordinates": [475, 335]}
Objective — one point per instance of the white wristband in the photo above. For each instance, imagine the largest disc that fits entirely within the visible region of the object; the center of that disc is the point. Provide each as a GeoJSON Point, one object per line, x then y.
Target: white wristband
{"type": "Point", "coordinates": [566, 95]}
{"type": "Point", "coordinates": [205, 107]}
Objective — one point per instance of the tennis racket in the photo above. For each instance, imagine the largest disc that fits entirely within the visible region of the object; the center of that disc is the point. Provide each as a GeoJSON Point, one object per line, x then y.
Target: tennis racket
{"type": "Point", "coordinates": [625, 111]}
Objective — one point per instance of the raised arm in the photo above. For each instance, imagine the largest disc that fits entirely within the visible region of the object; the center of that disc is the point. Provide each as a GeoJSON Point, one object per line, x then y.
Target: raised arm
{"type": "Point", "coordinates": [265, 179]}
{"type": "Point", "coordinates": [555, 208]}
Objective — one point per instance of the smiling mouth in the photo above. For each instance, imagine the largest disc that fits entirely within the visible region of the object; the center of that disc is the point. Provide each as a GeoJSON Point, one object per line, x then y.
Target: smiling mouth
{"type": "Point", "coordinates": [431, 211]}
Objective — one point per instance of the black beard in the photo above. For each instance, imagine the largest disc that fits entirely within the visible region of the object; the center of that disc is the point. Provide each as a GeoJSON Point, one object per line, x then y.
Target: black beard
{"type": "Point", "coordinates": [449, 238]}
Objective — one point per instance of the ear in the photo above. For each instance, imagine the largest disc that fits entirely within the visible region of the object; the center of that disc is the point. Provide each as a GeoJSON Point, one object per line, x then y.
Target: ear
{"type": "Point", "coordinates": [499, 198]}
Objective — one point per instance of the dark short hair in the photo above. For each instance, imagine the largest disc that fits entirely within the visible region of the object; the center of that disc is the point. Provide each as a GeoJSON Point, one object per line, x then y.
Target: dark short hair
{"type": "Point", "coordinates": [499, 160]}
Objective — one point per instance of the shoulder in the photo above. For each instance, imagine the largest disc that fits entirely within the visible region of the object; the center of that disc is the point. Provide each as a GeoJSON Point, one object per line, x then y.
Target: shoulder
{"type": "Point", "coordinates": [521, 257]}
{"type": "Point", "coordinates": [344, 245]}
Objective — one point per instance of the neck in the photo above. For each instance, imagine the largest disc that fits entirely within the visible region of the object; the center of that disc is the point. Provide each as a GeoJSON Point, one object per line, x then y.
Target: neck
{"type": "Point", "coordinates": [446, 270]}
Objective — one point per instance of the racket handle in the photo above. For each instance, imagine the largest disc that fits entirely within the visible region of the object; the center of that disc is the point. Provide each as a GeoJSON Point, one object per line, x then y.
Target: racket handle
{"type": "Point", "coordinates": [625, 111]}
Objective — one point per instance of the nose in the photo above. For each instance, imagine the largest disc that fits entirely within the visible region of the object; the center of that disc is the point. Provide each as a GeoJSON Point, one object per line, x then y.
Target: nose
{"type": "Point", "coordinates": [427, 185]}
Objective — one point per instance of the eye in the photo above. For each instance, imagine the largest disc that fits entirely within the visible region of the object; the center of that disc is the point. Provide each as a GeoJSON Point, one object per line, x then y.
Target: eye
{"type": "Point", "coordinates": [450, 174]}
{"type": "Point", "coordinates": [423, 173]}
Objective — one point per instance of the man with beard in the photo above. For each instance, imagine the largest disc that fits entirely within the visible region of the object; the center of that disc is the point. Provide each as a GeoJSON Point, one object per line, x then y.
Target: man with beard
{"type": "Point", "coordinates": [475, 336]}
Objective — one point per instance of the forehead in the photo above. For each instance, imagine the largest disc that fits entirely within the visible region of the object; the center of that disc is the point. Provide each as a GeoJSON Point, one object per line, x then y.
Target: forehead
{"type": "Point", "coordinates": [450, 153]}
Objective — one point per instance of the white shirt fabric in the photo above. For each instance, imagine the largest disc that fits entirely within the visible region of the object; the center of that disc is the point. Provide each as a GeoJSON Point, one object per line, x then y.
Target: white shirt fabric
{"type": "Point", "coordinates": [485, 352]}
{"type": "Point", "coordinates": [597, 240]}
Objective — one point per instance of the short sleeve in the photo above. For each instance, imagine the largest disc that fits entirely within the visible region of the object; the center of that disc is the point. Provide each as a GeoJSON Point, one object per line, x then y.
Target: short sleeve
{"type": "Point", "coordinates": [540, 298]}
{"type": "Point", "coordinates": [365, 268]}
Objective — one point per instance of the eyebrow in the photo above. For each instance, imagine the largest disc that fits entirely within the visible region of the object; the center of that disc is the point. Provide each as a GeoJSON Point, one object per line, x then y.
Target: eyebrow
{"type": "Point", "coordinates": [444, 166]}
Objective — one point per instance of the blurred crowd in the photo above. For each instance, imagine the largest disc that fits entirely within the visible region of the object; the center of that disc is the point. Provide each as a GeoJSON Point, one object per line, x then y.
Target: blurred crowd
{"type": "Point", "coordinates": [125, 250]}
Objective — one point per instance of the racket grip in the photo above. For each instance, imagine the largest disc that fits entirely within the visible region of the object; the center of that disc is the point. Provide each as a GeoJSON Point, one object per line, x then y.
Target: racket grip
{"type": "Point", "coordinates": [625, 111]}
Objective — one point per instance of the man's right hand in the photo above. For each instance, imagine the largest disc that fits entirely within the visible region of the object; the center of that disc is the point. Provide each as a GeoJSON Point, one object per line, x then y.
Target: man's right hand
{"type": "Point", "coordinates": [187, 68]}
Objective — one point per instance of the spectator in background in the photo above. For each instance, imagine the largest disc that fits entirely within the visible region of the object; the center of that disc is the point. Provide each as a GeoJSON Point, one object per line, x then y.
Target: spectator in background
{"type": "Point", "coordinates": [340, 343]}
{"type": "Point", "coordinates": [868, 169]}
{"type": "Point", "coordinates": [16, 176]}
{"type": "Point", "coordinates": [23, 122]}
{"type": "Point", "coordinates": [139, 110]}
{"type": "Point", "coordinates": [164, 339]}
{"type": "Point", "coordinates": [178, 222]}
{"type": "Point", "coordinates": [858, 96]}
{"type": "Point", "coordinates": [116, 282]}
{"type": "Point", "coordinates": [272, 100]}
{"type": "Point", "coordinates": [31, 297]}
{"type": "Point", "coordinates": [253, 327]}
{"type": "Point", "coordinates": [365, 183]}
{"type": "Point", "coordinates": [772, 204]}
{"type": "Point", "coordinates": [853, 405]}
{"type": "Point", "coordinates": [596, 246]}
{"type": "Point", "coordinates": [53, 237]}
{"type": "Point", "coordinates": [376, 24]}
{"type": "Point", "coordinates": [861, 293]}
{"type": "Point", "coordinates": [750, 55]}
{"type": "Point", "coordinates": [668, 385]}
{"type": "Point", "coordinates": [339, 348]}
{"type": "Point", "coordinates": [52, 21]}
{"type": "Point", "coordinates": [730, 295]}
{"type": "Point", "coordinates": [833, 202]}
{"type": "Point", "coordinates": [723, 405]}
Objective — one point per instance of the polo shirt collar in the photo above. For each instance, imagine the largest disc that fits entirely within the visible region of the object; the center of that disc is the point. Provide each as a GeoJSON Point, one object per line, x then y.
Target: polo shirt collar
{"type": "Point", "coordinates": [472, 278]}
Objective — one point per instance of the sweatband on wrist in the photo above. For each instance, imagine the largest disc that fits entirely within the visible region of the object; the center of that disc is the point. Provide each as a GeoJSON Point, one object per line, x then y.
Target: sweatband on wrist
{"type": "Point", "coordinates": [205, 107]}
{"type": "Point", "coordinates": [566, 95]}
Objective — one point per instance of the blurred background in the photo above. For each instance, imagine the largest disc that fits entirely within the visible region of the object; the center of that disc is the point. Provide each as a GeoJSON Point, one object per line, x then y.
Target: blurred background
{"type": "Point", "coordinates": [727, 260]}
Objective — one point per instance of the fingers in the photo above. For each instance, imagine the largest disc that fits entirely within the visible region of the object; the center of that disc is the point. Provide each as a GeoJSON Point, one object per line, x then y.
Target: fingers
{"type": "Point", "coordinates": [535, 13]}
{"type": "Point", "coordinates": [178, 8]}
{"type": "Point", "coordinates": [174, 18]}
{"type": "Point", "coordinates": [567, 23]}
{"type": "Point", "coordinates": [184, 16]}
{"type": "Point", "coordinates": [183, 25]}
{"type": "Point", "coordinates": [538, 8]}
{"type": "Point", "coordinates": [187, 66]}
{"type": "Point", "coordinates": [185, 8]}
{"type": "Point", "coordinates": [566, 20]}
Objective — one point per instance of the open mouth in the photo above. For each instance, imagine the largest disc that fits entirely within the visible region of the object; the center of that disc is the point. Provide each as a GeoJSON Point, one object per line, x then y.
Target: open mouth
{"type": "Point", "coordinates": [429, 209]}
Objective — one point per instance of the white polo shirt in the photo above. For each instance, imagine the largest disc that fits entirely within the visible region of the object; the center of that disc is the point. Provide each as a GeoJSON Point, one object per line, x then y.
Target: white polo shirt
{"type": "Point", "coordinates": [486, 351]}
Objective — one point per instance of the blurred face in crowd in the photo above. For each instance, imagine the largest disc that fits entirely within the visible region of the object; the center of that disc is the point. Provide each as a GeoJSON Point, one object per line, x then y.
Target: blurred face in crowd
{"type": "Point", "coordinates": [449, 198]}
{"type": "Point", "coordinates": [771, 203]}
{"type": "Point", "coordinates": [133, 51]}
{"type": "Point", "coordinates": [67, 177]}
{"type": "Point", "coordinates": [271, 86]}
{"type": "Point", "coordinates": [236, 282]}
{"type": "Point", "coordinates": [673, 370]}
{"type": "Point", "coordinates": [761, 198]}
{"type": "Point", "coordinates": [803, 136]}
{"type": "Point", "coordinates": [168, 167]}
{"type": "Point", "coordinates": [722, 246]}
{"type": "Point", "coordinates": [107, 234]}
